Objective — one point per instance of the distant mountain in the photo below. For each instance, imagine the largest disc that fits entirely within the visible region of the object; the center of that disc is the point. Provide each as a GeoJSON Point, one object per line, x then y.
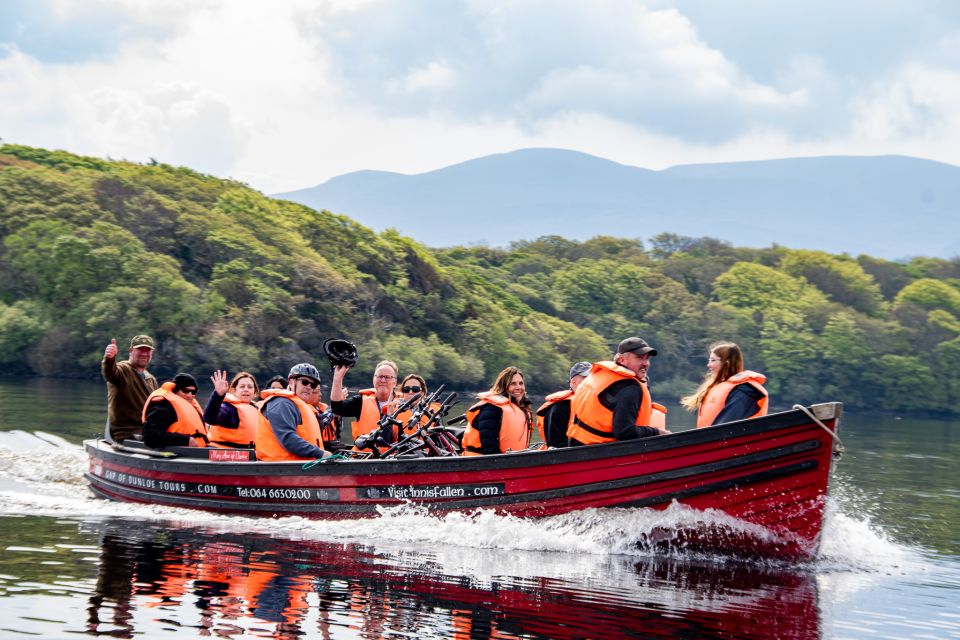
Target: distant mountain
{"type": "Point", "coordinates": [889, 206]}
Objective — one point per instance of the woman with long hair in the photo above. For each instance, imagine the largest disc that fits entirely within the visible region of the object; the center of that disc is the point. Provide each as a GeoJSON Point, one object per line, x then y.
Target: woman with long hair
{"type": "Point", "coordinates": [501, 420]}
{"type": "Point", "coordinates": [728, 392]}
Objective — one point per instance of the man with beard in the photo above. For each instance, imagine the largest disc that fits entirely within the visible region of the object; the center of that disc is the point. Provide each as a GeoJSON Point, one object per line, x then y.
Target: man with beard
{"type": "Point", "coordinates": [613, 402]}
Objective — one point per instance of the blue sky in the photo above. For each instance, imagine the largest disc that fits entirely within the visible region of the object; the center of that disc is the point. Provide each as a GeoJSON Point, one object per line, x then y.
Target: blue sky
{"type": "Point", "coordinates": [287, 94]}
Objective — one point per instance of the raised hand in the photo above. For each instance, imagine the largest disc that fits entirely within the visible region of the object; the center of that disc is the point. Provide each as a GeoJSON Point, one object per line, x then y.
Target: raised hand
{"type": "Point", "coordinates": [220, 383]}
{"type": "Point", "coordinates": [111, 350]}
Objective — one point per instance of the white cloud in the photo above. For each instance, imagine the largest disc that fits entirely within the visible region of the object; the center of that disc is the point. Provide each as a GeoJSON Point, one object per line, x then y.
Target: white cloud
{"type": "Point", "coordinates": [285, 95]}
{"type": "Point", "coordinates": [180, 124]}
{"type": "Point", "coordinates": [918, 102]}
{"type": "Point", "coordinates": [435, 75]}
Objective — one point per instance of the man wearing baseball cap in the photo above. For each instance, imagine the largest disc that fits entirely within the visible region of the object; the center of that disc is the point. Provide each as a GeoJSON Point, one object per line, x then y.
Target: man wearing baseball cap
{"type": "Point", "coordinates": [553, 416]}
{"type": "Point", "coordinates": [613, 402]}
{"type": "Point", "coordinates": [128, 386]}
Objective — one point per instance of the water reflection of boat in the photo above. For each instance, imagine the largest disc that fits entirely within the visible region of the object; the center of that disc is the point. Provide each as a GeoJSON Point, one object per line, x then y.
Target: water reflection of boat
{"type": "Point", "coordinates": [240, 582]}
{"type": "Point", "coordinates": [770, 473]}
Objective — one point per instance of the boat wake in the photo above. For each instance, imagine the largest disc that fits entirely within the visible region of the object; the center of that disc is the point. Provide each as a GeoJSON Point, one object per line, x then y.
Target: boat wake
{"type": "Point", "coordinates": [43, 475]}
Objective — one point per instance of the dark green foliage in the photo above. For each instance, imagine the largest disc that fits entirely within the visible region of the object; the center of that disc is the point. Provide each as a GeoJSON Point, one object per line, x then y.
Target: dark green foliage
{"type": "Point", "coordinates": [224, 277]}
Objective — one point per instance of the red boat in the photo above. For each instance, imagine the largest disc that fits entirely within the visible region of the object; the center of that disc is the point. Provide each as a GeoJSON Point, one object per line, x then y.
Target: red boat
{"type": "Point", "coordinates": [770, 474]}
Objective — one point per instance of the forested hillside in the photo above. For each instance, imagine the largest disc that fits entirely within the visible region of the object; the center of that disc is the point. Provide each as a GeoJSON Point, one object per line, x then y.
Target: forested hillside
{"type": "Point", "coordinates": [223, 276]}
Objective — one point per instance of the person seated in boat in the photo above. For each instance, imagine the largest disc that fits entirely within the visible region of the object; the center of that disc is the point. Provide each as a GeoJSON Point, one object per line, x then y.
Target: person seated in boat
{"type": "Point", "coordinates": [553, 416]}
{"type": "Point", "coordinates": [411, 385]}
{"type": "Point", "coordinates": [276, 382]}
{"type": "Point", "coordinates": [128, 385]}
{"type": "Point", "coordinates": [330, 425]}
{"type": "Point", "coordinates": [613, 402]}
{"type": "Point", "coordinates": [172, 417]}
{"type": "Point", "coordinates": [288, 428]}
{"type": "Point", "coordinates": [369, 405]}
{"type": "Point", "coordinates": [230, 413]}
{"type": "Point", "coordinates": [729, 392]}
{"type": "Point", "coordinates": [501, 421]}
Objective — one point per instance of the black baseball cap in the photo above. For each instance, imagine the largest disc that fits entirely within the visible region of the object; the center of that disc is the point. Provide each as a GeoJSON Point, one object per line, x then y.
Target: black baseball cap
{"type": "Point", "coordinates": [636, 345]}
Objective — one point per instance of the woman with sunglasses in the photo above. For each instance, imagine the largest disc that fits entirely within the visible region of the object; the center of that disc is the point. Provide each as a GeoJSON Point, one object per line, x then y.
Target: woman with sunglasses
{"type": "Point", "coordinates": [411, 385]}
{"type": "Point", "coordinates": [729, 392]}
{"type": "Point", "coordinates": [172, 417]}
{"type": "Point", "coordinates": [230, 411]}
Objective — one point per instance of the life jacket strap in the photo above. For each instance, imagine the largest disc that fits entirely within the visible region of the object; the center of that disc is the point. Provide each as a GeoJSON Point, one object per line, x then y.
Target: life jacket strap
{"type": "Point", "coordinates": [583, 425]}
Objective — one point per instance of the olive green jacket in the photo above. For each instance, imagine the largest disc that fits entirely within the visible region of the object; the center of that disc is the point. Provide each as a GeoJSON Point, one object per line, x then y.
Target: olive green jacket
{"type": "Point", "coordinates": [127, 392]}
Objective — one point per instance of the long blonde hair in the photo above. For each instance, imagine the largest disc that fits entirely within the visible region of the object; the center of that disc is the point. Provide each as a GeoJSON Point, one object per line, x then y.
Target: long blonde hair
{"type": "Point", "coordinates": [731, 363]}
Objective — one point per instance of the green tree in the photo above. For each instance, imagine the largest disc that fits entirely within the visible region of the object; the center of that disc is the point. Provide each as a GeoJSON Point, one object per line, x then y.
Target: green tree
{"type": "Point", "coordinates": [843, 280]}
{"type": "Point", "coordinates": [21, 325]}
{"type": "Point", "coordinates": [905, 383]}
{"type": "Point", "coordinates": [789, 349]}
{"type": "Point", "coordinates": [947, 364]}
{"type": "Point", "coordinates": [929, 294]}
{"type": "Point", "coordinates": [759, 288]}
{"type": "Point", "coordinates": [846, 354]}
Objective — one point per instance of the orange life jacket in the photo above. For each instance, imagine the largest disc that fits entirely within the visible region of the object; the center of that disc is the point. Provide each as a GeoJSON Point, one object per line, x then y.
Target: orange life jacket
{"type": "Point", "coordinates": [189, 414]}
{"type": "Point", "coordinates": [549, 401]}
{"type": "Point", "coordinates": [590, 421]}
{"type": "Point", "coordinates": [370, 414]}
{"type": "Point", "coordinates": [514, 426]}
{"type": "Point", "coordinates": [243, 435]}
{"type": "Point", "coordinates": [268, 447]}
{"type": "Point", "coordinates": [658, 415]}
{"type": "Point", "coordinates": [716, 398]}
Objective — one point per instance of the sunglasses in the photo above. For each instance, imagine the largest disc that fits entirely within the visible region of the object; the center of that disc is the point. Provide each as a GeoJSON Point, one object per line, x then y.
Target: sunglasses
{"type": "Point", "coordinates": [307, 382]}
{"type": "Point", "coordinates": [193, 391]}
{"type": "Point", "coordinates": [411, 389]}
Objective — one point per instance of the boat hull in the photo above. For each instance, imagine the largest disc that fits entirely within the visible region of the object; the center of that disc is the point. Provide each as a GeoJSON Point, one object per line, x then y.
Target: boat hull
{"type": "Point", "coordinates": [770, 473]}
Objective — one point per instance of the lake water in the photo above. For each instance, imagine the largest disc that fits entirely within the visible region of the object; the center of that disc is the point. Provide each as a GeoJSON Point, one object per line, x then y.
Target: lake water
{"type": "Point", "coordinates": [74, 566]}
